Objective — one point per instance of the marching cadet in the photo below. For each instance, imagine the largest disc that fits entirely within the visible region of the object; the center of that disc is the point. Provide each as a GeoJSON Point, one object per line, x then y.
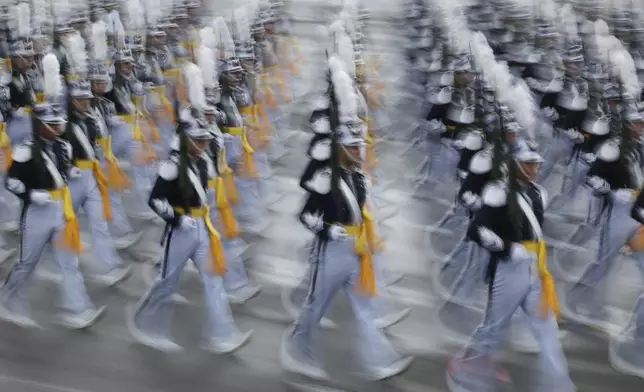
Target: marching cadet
{"type": "Point", "coordinates": [104, 114]}
{"type": "Point", "coordinates": [22, 90]}
{"type": "Point", "coordinates": [251, 211]}
{"type": "Point", "coordinates": [38, 176]}
{"type": "Point", "coordinates": [89, 189]}
{"type": "Point", "coordinates": [179, 196]}
{"type": "Point", "coordinates": [9, 205]}
{"type": "Point", "coordinates": [625, 351]}
{"type": "Point", "coordinates": [508, 225]}
{"type": "Point", "coordinates": [252, 107]}
{"type": "Point", "coordinates": [125, 90]}
{"type": "Point", "coordinates": [238, 288]}
{"type": "Point", "coordinates": [270, 79]}
{"type": "Point", "coordinates": [615, 176]}
{"type": "Point", "coordinates": [334, 212]}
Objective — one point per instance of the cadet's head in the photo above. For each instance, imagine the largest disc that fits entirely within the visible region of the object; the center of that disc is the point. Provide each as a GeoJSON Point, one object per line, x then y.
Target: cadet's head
{"type": "Point", "coordinates": [351, 143]}
{"type": "Point", "coordinates": [527, 160]}
{"type": "Point", "coordinates": [80, 92]}
{"type": "Point", "coordinates": [196, 130]}
{"type": "Point", "coordinates": [51, 120]}
{"type": "Point", "coordinates": [99, 79]}
{"type": "Point", "coordinates": [22, 55]}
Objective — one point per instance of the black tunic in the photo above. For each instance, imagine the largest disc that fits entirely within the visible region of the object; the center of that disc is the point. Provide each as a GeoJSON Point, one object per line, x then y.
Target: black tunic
{"type": "Point", "coordinates": [334, 208]}
{"type": "Point", "coordinates": [167, 191]}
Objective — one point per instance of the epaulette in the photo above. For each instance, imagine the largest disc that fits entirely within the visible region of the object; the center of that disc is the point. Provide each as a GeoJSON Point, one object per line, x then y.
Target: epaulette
{"type": "Point", "coordinates": [608, 151]}
{"type": "Point", "coordinates": [473, 141]}
{"type": "Point", "coordinates": [22, 153]}
{"type": "Point", "coordinates": [320, 148]}
{"type": "Point", "coordinates": [481, 162]}
{"type": "Point", "coordinates": [495, 194]}
{"type": "Point", "coordinates": [169, 169]}
{"type": "Point", "coordinates": [318, 181]}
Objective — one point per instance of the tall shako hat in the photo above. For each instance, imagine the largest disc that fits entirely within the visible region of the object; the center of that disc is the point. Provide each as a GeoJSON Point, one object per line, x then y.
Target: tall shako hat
{"type": "Point", "coordinates": [244, 43]}
{"type": "Point", "coordinates": [207, 64]}
{"type": "Point", "coordinates": [98, 65]}
{"type": "Point", "coordinates": [208, 41]}
{"type": "Point", "coordinates": [153, 18]}
{"type": "Point", "coordinates": [21, 44]}
{"type": "Point", "coordinates": [191, 118]}
{"type": "Point", "coordinates": [135, 22]}
{"type": "Point", "coordinates": [77, 79]}
{"type": "Point", "coordinates": [62, 15]}
{"type": "Point", "coordinates": [41, 25]}
{"type": "Point", "coordinates": [47, 111]}
{"type": "Point", "coordinates": [334, 122]}
{"type": "Point", "coordinates": [228, 61]}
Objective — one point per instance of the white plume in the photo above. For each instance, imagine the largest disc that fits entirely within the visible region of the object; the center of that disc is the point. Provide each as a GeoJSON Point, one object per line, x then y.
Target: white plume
{"type": "Point", "coordinates": [194, 85]}
{"type": "Point", "coordinates": [99, 40]}
{"type": "Point", "coordinates": [153, 11]}
{"type": "Point", "coordinates": [242, 25]}
{"type": "Point", "coordinates": [207, 38]}
{"type": "Point", "coordinates": [569, 22]}
{"type": "Point", "coordinates": [22, 16]}
{"type": "Point", "coordinates": [623, 67]}
{"type": "Point", "coordinates": [75, 45]}
{"type": "Point", "coordinates": [40, 13]}
{"type": "Point", "coordinates": [344, 92]}
{"type": "Point", "coordinates": [345, 52]}
{"type": "Point", "coordinates": [206, 61]}
{"type": "Point", "coordinates": [225, 43]}
{"type": "Point", "coordinates": [135, 15]}
{"type": "Point", "coordinates": [509, 91]}
{"type": "Point", "coordinates": [52, 83]}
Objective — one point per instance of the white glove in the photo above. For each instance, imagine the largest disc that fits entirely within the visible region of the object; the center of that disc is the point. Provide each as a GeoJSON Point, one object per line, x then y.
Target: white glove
{"type": "Point", "coordinates": [338, 233]}
{"type": "Point", "coordinates": [435, 126]}
{"type": "Point", "coordinates": [532, 83]}
{"type": "Point", "coordinates": [490, 240]}
{"type": "Point", "coordinates": [187, 223]}
{"type": "Point", "coordinates": [313, 222]}
{"type": "Point", "coordinates": [598, 184]}
{"type": "Point", "coordinates": [74, 172]}
{"type": "Point", "coordinates": [550, 113]}
{"type": "Point", "coordinates": [471, 201]}
{"type": "Point", "coordinates": [518, 252]}
{"type": "Point", "coordinates": [40, 197]}
{"type": "Point", "coordinates": [623, 196]}
{"type": "Point", "coordinates": [589, 157]}
{"type": "Point", "coordinates": [572, 134]}
{"type": "Point", "coordinates": [20, 112]}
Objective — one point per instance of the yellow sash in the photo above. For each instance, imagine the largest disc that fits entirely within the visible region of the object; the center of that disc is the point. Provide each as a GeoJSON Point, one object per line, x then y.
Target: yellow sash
{"type": "Point", "coordinates": [366, 243]}
{"type": "Point", "coordinates": [101, 182]}
{"type": "Point", "coordinates": [549, 301]}
{"type": "Point", "coordinates": [248, 167]}
{"type": "Point", "coordinates": [5, 146]}
{"type": "Point", "coordinates": [269, 96]}
{"type": "Point", "coordinates": [274, 76]}
{"type": "Point", "coordinates": [116, 177]}
{"type": "Point", "coordinates": [165, 104]}
{"type": "Point", "coordinates": [223, 207]}
{"type": "Point", "coordinates": [227, 175]}
{"type": "Point", "coordinates": [252, 118]}
{"type": "Point", "coordinates": [148, 153]}
{"type": "Point", "coordinates": [217, 260]}
{"type": "Point", "coordinates": [142, 113]}
{"type": "Point", "coordinates": [175, 75]}
{"type": "Point", "coordinates": [70, 236]}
